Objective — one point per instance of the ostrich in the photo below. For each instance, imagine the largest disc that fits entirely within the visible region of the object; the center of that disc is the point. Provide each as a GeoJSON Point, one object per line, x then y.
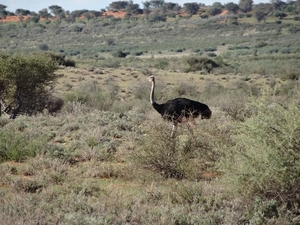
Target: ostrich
{"type": "Point", "coordinates": [179, 109]}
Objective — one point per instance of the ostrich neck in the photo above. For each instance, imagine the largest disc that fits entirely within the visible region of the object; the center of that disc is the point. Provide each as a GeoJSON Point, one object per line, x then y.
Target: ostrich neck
{"type": "Point", "coordinates": [152, 92]}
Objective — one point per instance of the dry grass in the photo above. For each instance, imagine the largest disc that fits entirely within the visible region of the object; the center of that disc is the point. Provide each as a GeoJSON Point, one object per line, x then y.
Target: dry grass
{"type": "Point", "coordinates": [89, 170]}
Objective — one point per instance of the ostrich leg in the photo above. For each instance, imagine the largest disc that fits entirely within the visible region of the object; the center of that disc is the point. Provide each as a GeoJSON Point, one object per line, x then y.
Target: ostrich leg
{"type": "Point", "coordinates": [173, 129]}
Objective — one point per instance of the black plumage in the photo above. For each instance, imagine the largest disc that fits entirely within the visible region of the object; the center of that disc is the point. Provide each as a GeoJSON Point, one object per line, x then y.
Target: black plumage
{"type": "Point", "coordinates": [176, 109]}
{"type": "Point", "coordinates": [179, 109]}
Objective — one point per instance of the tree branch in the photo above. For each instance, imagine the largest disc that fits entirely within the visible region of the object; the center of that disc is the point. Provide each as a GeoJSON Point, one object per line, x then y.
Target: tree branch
{"type": "Point", "coordinates": [17, 109]}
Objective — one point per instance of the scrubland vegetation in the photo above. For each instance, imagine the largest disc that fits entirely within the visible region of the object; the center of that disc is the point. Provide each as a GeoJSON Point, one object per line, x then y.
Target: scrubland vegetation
{"type": "Point", "coordinates": [92, 150]}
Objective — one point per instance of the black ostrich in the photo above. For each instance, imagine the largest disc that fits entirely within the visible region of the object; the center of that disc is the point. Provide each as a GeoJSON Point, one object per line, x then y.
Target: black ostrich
{"type": "Point", "coordinates": [179, 110]}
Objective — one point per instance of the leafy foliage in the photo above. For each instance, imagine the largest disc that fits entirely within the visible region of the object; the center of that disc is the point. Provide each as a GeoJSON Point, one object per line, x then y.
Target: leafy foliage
{"type": "Point", "coordinates": [200, 63]}
{"type": "Point", "coordinates": [266, 155]}
{"type": "Point", "coordinates": [30, 77]}
{"type": "Point", "coordinates": [232, 7]}
{"type": "Point", "coordinates": [18, 145]}
{"type": "Point", "coordinates": [191, 8]}
{"type": "Point", "coordinates": [174, 158]}
{"type": "Point", "coordinates": [245, 5]}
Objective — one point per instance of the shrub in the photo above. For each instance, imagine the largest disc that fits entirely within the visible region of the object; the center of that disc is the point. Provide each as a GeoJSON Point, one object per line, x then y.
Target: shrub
{"type": "Point", "coordinates": [185, 89]}
{"type": "Point", "coordinates": [211, 54]}
{"type": "Point", "coordinates": [204, 16]}
{"type": "Point", "coordinates": [185, 156]}
{"type": "Point", "coordinates": [91, 95]}
{"type": "Point", "coordinates": [238, 47]}
{"type": "Point", "coordinates": [28, 78]}
{"type": "Point", "coordinates": [154, 18]}
{"type": "Point", "coordinates": [161, 64]}
{"type": "Point", "coordinates": [119, 54]}
{"type": "Point", "coordinates": [233, 20]}
{"type": "Point", "coordinates": [294, 29]}
{"type": "Point", "coordinates": [297, 18]}
{"type": "Point", "coordinates": [210, 49]}
{"type": "Point", "coordinates": [290, 76]}
{"type": "Point", "coordinates": [260, 45]}
{"type": "Point", "coordinates": [235, 105]}
{"type": "Point", "coordinates": [43, 47]}
{"type": "Point", "coordinates": [138, 53]}
{"type": "Point", "coordinates": [196, 50]}
{"type": "Point", "coordinates": [19, 145]}
{"type": "Point", "coordinates": [60, 59]}
{"type": "Point", "coordinates": [265, 160]}
{"type": "Point", "coordinates": [200, 63]}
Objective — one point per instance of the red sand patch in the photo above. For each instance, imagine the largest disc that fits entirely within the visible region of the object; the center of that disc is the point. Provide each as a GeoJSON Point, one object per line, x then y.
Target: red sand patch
{"type": "Point", "coordinates": [13, 19]}
{"type": "Point", "coordinates": [224, 12]}
{"type": "Point", "coordinates": [118, 14]}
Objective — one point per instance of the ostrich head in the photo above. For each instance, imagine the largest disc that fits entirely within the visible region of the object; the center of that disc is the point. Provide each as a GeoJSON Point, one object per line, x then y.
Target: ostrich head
{"type": "Point", "coordinates": [151, 78]}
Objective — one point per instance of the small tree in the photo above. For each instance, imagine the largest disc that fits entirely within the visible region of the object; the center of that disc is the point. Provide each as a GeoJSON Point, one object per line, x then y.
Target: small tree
{"type": "Point", "coordinates": [26, 81]}
{"type": "Point", "coordinates": [35, 19]}
{"type": "Point", "coordinates": [3, 7]}
{"type": "Point", "coordinates": [277, 4]}
{"type": "Point", "coordinates": [245, 5]}
{"type": "Point", "coordinates": [280, 15]}
{"type": "Point", "coordinates": [232, 7]}
{"type": "Point", "coordinates": [146, 8]}
{"type": "Point", "coordinates": [87, 15]}
{"type": "Point", "coordinates": [22, 12]}
{"type": "Point", "coordinates": [3, 12]}
{"type": "Point", "coordinates": [191, 8]}
{"type": "Point", "coordinates": [261, 11]}
{"type": "Point", "coordinates": [95, 13]}
{"type": "Point", "coordinates": [215, 9]}
{"type": "Point", "coordinates": [157, 17]}
{"type": "Point", "coordinates": [170, 6]}
{"type": "Point", "coordinates": [119, 5]}
{"type": "Point", "coordinates": [133, 9]}
{"type": "Point", "coordinates": [56, 10]}
{"type": "Point", "coordinates": [44, 13]}
{"type": "Point", "coordinates": [157, 3]}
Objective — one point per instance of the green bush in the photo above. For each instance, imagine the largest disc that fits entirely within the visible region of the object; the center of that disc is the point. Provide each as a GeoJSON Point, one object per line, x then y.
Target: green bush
{"type": "Point", "coordinates": [161, 64]}
{"type": "Point", "coordinates": [43, 47]}
{"type": "Point", "coordinates": [200, 63]}
{"type": "Point", "coordinates": [238, 47]}
{"type": "Point", "coordinates": [89, 94]}
{"type": "Point", "coordinates": [119, 54]}
{"type": "Point", "coordinates": [60, 59]}
{"type": "Point", "coordinates": [265, 161]}
{"type": "Point", "coordinates": [290, 76]}
{"type": "Point", "coordinates": [235, 105]}
{"type": "Point", "coordinates": [210, 49]}
{"type": "Point", "coordinates": [297, 18]}
{"type": "Point", "coordinates": [185, 89]}
{"type": "Point", "coordinates": [294, 29]}
{"type": "Point", "coordinates": [31, 78]}
{"type": "Point", "coordinates": [183, 157]}
{"type": "Point", "coordinates": [211, 54]}
{"type": "Point", "coordinates": [18, 144]}
{"type": "Point", "coordinates": [204, 16]}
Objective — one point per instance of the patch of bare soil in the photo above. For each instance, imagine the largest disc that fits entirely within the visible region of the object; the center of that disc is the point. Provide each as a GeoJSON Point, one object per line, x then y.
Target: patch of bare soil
{"type": "Point", "coordinates": [12, 18]}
